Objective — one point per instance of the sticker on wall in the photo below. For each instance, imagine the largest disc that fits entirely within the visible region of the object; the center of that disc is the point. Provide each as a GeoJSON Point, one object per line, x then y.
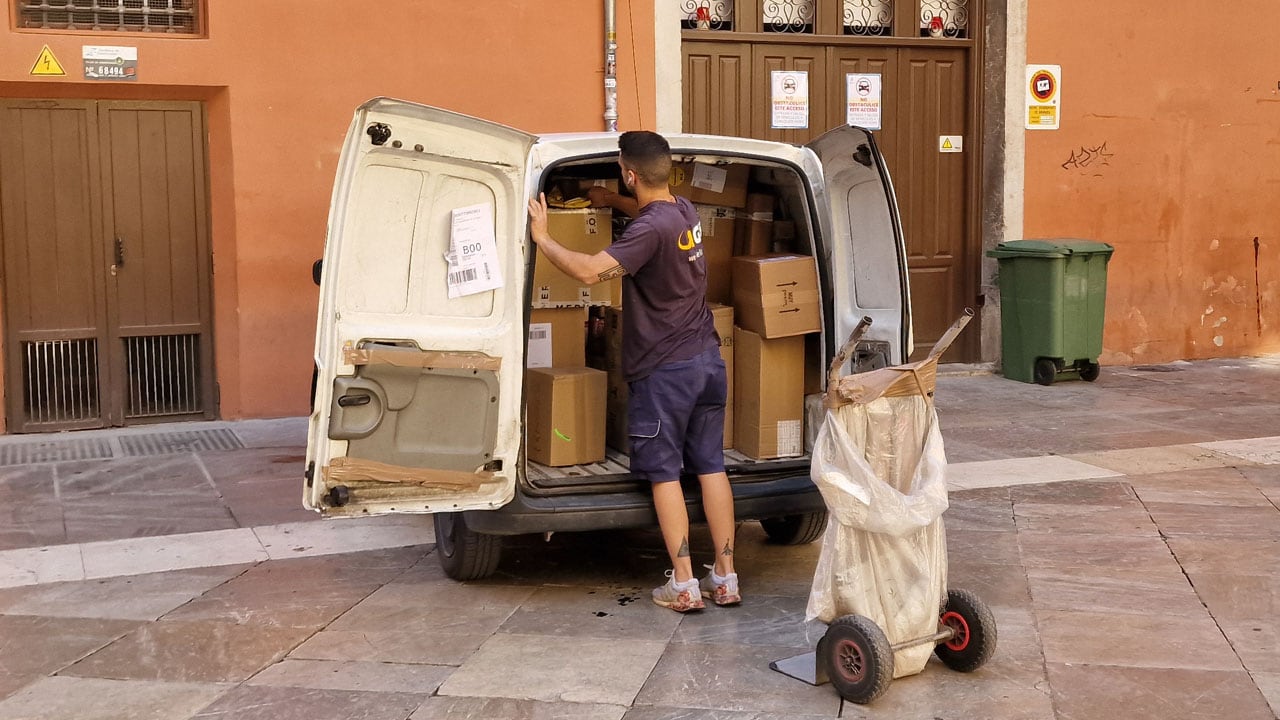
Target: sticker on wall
{"type": "Point", "coordinates": [1044, 96]}
{"type": "Point", "coordinates": [790, 99]}
{"type": "Point", "coordinates": [47, 64]}
{"type": "Point", "coordinates": [863, 95]}
{"type": "Point", "coordinates": [950, 143]}
{"type": "Point", "coordinates": [109, 62]}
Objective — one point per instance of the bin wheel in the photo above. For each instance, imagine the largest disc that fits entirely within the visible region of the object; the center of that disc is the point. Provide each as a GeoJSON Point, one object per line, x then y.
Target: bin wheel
{"type": "Point", "coordinates": [975, 632]}
{"type": "Point", "coordinates": [464, 553]}
{"type": "Point", "coordinates": [1089, 370]}
{"type": "Point", "coordinates": [857, 657]}
{"type": "Point", "coordinates": [1045, 370]}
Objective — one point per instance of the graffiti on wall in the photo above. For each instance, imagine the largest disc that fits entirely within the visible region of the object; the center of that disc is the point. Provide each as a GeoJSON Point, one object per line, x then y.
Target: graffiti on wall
{"type": "Point", "coordinates": [1088, 158]}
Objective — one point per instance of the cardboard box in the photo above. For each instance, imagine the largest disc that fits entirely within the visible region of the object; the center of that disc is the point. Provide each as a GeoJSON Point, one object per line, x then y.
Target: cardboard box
{"type": "Point", "coordinates": [587, 230]}
{"type": "Point", "coordinates": [564, 415]}
{"type": "Point", "coordinates": [724, 185]}
{"type": "Point", "coordinates": [557, 337]}
{"type": "Point", "coordinates": [776, 295]}
{"type": "Point", "coordinates": [755, 226]}
{"type": "Point", "coordinates": [768, 395]}
{"type": "Point", "coordinates": [723, 315]}
{"type": "Point", "coordinates": [719, 232]}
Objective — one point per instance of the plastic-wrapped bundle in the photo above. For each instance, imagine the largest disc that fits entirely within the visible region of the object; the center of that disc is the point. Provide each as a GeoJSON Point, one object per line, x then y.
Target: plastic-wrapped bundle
{"type": "Point", "coordinates": [881, 469]}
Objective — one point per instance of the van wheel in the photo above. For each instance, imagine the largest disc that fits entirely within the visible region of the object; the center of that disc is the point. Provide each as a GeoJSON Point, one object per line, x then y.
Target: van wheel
{"type": "Point", "coordinates": [464, 553]}
{"type": "Point", "coordinates": [795, 529]}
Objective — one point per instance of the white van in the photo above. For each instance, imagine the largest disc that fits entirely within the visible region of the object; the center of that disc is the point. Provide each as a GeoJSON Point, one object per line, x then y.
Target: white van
{"type": "Point", "coordinates": [420, 398]}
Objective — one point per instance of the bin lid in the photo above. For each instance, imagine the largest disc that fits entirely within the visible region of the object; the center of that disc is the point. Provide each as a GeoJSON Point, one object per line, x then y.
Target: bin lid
{"type": "Point", "coordinates": [1048, 248]}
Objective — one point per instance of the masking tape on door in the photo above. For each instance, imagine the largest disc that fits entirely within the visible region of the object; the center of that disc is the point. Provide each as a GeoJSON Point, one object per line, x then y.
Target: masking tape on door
{"type": "Point", "coordinates": [411, 357]}
{"type": "Point", "coordinates": [353, 470]}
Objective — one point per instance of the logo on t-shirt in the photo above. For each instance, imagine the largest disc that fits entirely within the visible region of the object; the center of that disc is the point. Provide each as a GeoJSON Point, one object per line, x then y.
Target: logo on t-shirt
{"type": "Point", "coordinates": [690, 241]}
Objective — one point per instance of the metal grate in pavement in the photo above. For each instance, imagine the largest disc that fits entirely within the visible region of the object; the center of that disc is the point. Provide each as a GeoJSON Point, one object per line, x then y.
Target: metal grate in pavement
{"type": "Point", "coordinates": [44, 451]}
{"type": "Point", "coordinates": [168, 443]}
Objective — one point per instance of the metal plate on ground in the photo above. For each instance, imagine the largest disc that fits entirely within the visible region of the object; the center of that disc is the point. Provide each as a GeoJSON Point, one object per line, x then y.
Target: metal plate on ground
{"type": "Point", "coordinates": [169, 443]}
{"type": "Point", "coordinates": [801, 667]}
{"type": "Point", "coordinates": [46, 451]}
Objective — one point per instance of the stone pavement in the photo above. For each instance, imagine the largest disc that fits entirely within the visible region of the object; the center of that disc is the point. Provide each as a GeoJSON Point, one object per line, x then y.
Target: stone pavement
{"type": "Point", "coordinates": [1125, 533]}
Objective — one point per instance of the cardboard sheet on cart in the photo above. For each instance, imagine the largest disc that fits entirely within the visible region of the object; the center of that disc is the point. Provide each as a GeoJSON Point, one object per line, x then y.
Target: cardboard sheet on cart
{"type": "Point", "coordinates": [880, 466]}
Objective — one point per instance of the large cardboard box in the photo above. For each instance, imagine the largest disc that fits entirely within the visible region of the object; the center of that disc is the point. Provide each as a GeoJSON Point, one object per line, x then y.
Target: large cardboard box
{"type": "Point", "coordinates": [755, 226]}
{"type": "Point", "coordinates": [776, 295]}
{"type": "Point", "coordinates": [557, 337]}
{"type": "Point", "coordinates": [564, 415]}
{"type": "Point", "coordinates": [723, 315]}
{"type": "Point", "coordinates": [719, 231]}
{"type": "Point", "coordinates": [768, 395]}
{"type": "Point", "coordinates": [587, 230]}
{"type": "Point", "coordinates": [724, 185]}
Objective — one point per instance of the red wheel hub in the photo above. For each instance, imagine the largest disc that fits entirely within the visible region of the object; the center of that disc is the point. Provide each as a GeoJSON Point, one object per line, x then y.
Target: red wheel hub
{"type": "Point", "coordinates": [850, 661]}
{"type": "Point", "coordinates": [960, 639]}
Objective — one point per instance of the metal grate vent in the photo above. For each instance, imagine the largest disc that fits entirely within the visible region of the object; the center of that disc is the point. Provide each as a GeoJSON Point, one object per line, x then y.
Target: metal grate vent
{"type": "Point", "coordinates": [44, 451]}
{"type": "Point", "coordinates": [168, 443]}
{"type": "Point", "coordinates": [164, 16]}
{"type": "Point", "coordinates": [164, 375]}
{"type": "Point", "coordinates": [60, 381]}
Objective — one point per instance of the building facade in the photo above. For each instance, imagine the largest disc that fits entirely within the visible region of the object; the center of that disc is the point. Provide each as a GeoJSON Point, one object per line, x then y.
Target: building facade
{"type": "Point", "coordinates": [166, 165]}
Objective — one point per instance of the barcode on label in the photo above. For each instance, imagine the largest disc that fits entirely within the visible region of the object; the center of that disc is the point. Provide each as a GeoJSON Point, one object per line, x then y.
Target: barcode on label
{"type": "Point", "coordinates": [461, 276]}
{"type": "Point", "coordinates": [538, 333]}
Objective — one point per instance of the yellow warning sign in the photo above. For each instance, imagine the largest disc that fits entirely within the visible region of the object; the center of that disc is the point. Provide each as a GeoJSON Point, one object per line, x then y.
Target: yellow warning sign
{"type": "Point", "coordinates": [47, 64]}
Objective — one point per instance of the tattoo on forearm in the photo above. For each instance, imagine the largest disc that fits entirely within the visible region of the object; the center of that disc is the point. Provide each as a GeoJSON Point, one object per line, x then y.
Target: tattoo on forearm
{"type": "Point", "coordinates": [728, 550]}
{"type": "Point", "coordinates": [684, 548]}
{"type": "Point", "coordinates": [616, 271]}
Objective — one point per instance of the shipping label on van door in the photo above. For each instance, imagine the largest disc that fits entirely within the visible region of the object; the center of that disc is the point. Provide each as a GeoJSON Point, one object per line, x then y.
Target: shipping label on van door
{"type": "Point", "coordinates": [473, 252]}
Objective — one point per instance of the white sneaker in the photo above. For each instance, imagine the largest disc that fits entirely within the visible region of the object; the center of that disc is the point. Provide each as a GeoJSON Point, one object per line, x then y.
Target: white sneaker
{"type": "Point", "coordinates": [681, 597]}
{"type": "Point", "coordinates": [721, 590]}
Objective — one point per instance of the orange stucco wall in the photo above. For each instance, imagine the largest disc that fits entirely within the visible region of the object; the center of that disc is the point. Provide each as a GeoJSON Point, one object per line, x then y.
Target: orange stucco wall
{"type": "Point", "coordinates": [280, 80]}
{"type": "Point", "coordinates": [1184, 115]}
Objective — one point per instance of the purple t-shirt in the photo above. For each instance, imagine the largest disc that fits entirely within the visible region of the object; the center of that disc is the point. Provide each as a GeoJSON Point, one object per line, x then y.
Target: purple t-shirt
{"type": "Point", "coordinates": [665, 317]}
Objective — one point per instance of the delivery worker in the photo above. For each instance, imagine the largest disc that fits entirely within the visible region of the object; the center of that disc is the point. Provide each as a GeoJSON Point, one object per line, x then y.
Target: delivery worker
{"type": "Point", "coordinates": [671, 360]}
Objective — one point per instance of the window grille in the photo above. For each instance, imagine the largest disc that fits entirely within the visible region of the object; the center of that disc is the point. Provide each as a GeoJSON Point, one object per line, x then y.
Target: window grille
{"type": "Point", "coordinates": [164, 375]}
{"type": "Point", "coordinates": [944, 18]}
{"type": "Point", "coordinates": [157, 16]}
{"type": "Point", "coordinates": [60, 381]}
{"type": "Point", "coordinates": [707, 14]}
{"type": "Point", "coordinates": [789, 16]}
{"type": "Point", "coordinates": [868, 17]}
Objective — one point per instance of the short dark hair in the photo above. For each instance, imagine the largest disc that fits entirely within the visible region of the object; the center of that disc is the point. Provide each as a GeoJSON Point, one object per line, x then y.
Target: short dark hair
{"type": "Point", "coordinates": [648, 154]}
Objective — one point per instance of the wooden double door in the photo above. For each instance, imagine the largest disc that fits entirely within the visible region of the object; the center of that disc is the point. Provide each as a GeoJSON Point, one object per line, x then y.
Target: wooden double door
{"type": "Point", "coordinates": [926, 96]}
{"type": "Point", "coordinates": [107, 271]}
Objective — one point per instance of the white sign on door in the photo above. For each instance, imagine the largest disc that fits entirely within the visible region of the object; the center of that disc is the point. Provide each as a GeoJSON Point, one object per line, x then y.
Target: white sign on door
{"type": "Point", "coordinates": [790, 99]}
{"type": "Point", "coordinates": [473, 252]}
{"type": "Point", "coordinates": [863, 95]}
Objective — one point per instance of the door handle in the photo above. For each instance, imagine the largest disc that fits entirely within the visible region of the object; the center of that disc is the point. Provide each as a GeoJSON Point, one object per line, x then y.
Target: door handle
{"type": "Point", "coordinates": [119, 252]}
{"type": "Point", "coordinates": [354, 400]}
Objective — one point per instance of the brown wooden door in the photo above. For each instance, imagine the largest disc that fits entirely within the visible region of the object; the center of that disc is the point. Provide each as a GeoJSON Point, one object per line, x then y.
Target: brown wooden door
{"type": "Point", "coordinates": [931, 189]}
{"type": "Point", "coordinates": [105, 235]}
{"type": "Point", "coordinates": [926, 93]}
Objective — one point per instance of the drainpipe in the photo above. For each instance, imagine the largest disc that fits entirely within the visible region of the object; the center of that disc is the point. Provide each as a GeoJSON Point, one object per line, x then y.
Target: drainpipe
{"type": "Point", "coordinates": [610, 67]}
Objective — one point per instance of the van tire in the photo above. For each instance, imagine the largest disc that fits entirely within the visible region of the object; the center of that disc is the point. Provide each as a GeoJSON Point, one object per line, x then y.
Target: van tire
{"type": "Point", "coordinates": [464, 553]}
{"type": "Point", "coordinates": [795, 529]}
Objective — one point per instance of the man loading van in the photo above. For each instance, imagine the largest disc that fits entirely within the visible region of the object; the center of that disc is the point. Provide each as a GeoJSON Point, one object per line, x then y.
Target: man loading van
{"type": "Point", "coordinates": [671, 359]}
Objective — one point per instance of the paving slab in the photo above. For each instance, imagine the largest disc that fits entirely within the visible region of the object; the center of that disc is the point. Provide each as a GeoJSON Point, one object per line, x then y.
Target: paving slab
{"type": "Point", "coordinates": [1088, 692]}
{"type": "Point", "coordinates": [137, 597]}
{"type": "Point", "coordinates": [33, 645]}
{"type": "Point", "coordinates": [348, 675]}
{"type": "Point", "coordinates": [448, 708]}
{"type": "Point", "coordinates": [264, 702]}
{"type": "Point", "coordinates": [60, 698]}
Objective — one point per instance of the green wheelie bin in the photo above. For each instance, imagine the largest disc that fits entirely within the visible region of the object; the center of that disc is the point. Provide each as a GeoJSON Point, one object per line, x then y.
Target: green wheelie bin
{"type": "Point", "coordinates": [1052, 304]}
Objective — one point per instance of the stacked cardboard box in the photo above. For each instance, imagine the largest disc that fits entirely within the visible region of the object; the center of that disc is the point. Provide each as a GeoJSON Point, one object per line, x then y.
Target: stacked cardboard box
{"type": "Point", "coordinates": [755, 226]}
{"type": "Point", "coordinates": [565, 411]}
{"type": "Point", "coordinates": [557, 337]}
{"type": "Point", "coordinates": [723, 315]}
{"type": "Point", "coordinates": [586, 230]}
{"type": "Point", "coordinates": [724, 185]}
{"type": "Point", "coordinates": [768, 395]}
{"type": "Point", "coordinates": [719, 231]}
{"type": "Point", "coordinates": [776, 295]}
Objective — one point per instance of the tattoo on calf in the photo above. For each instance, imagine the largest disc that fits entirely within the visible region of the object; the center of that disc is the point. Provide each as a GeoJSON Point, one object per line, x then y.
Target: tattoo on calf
{"type": "Point", "coordinates": [684, 548]}
{"type": "Point", "coordinates": [616, 271]}
{"type": "Point", "coordinates": [728, 550]}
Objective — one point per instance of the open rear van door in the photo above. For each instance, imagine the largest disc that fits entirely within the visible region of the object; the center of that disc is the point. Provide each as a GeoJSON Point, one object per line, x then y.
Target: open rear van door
{"type": "Point", "coordinates": [420, 328]}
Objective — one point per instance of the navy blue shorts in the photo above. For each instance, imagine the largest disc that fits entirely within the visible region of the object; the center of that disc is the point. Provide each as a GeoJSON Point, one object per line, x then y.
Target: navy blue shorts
{"type": "Point", "coordinates": [675, 417]}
